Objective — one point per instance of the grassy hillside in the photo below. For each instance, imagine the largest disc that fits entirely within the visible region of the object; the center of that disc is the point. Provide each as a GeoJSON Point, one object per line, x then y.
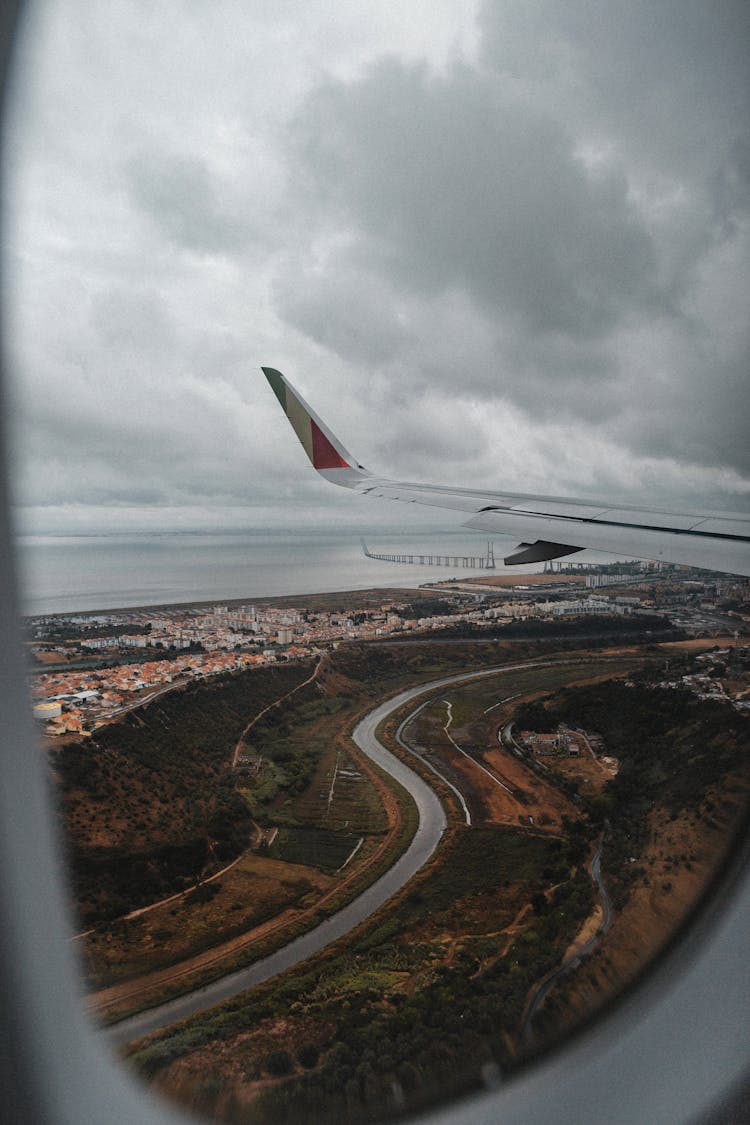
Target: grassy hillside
{"type": "Point", "coordinates": [149, 804]}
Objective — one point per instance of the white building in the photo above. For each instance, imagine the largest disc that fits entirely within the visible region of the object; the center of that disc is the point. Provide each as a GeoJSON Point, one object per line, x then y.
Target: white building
{"type": "Point", "coordinates": [48, 709]}
{"type": "Point", "coordinates": [585, 606]}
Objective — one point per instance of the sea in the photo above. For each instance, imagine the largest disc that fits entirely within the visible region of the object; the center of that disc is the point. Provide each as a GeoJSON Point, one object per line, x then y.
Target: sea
{"type": "Point", "coordinates": [72, 573]}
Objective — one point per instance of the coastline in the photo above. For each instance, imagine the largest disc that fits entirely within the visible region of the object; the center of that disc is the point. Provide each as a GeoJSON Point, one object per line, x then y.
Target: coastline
{"type": "Point", "coordinates": [59, 575]}
{"type": "Point", "coordinates": [289, 600]}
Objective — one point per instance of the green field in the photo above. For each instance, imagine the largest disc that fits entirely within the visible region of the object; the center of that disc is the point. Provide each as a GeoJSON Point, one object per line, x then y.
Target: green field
{"type": "Point", "coordinates": [314, 847]}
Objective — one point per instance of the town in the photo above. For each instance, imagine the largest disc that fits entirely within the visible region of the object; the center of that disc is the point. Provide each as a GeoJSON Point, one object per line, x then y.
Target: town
{"type": "Point", "coordinates": [90, 668]}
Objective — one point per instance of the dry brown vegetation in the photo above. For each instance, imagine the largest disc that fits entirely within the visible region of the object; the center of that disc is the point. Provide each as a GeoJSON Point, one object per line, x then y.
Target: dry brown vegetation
{"type": "Point", "coordinates": [255, 890]}
{"type": "Point", "coordinates": [679, 866]}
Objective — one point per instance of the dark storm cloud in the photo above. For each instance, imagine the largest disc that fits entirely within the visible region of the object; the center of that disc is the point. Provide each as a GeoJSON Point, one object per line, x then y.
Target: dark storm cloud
{"type": "Point", "coordinates": [667, 81]}
{"type": "Point", "coordinates": [461, 188]}
{"type": "Point", "coordinates": [570, 378]}
{"type": "Point", "coordinates": [514, 251]}
{"type": "Point", "coordinates": [584, 187]}
{"type": "Point", "coordinates": [731, 185]}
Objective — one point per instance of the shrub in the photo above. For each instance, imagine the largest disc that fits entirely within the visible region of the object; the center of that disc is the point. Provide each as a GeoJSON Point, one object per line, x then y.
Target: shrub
{"type": "Point", "coordinates": [308, 1055]}
{"type": "Point", "coordinates": [279, 1063]}
{"type": "Point", "coordinates": [204, 893]}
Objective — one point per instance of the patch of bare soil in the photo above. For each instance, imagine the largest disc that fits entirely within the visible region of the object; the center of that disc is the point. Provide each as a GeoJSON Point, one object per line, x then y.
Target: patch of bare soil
{"type": "Point", "coordinates": [698, 644]}
{"type": "Point", "coordinates": [586, 932]}
{"type": "Point", "coordinates": [535, 801]}
{"type": "Point", "coordinates": [475, 916]}
{"type": "Point", "coordinates": [592, 775]}
{"type": "Point", "coordinates": [43, 657]}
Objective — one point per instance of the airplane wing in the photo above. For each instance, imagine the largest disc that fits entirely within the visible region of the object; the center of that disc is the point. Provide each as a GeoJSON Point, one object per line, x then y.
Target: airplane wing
{"type": "Point", "coordinates": [547, 527]}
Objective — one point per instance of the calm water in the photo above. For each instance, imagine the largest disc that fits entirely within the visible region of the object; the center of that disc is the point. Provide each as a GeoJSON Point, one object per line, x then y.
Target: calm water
{"type": "Point", "coordinates": [69, 573]}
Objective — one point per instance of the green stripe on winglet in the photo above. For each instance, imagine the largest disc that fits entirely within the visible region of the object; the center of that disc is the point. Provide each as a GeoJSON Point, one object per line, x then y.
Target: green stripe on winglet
{"type": "Point", "coordinates": [277, 385]}
{"type": "Point", "coordinates": [293, 408]}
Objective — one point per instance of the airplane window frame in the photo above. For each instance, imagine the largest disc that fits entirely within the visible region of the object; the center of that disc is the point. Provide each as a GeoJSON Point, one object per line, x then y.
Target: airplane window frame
{"type": "Point", "coordinates": [672, 1051]}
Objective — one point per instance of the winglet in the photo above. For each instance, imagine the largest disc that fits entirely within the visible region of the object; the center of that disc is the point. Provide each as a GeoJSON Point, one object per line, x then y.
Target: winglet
{"type": "Point", "coordinates": [325, 451]}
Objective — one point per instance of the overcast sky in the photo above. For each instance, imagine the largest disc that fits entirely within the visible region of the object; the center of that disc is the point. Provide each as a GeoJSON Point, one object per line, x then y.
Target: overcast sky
{"type": "Point", "coordinates": [496, 243]}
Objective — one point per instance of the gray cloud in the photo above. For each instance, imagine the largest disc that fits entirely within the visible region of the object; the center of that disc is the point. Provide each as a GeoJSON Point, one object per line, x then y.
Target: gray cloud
{"type": "Point", "coordinates": [515, 251]}
{"type": "Point", "coordinates": [186, 202]}
{"type": "Point", "coordinates": [584, 188]}
{"type": "Point", "coordinates": [460, 187]}
{"type": "Point", "coordinates": [123, 317]}
{"type": "Point", "coordinates": [667, 82]}
{"type": "Point", "coordinates": [344, 308]}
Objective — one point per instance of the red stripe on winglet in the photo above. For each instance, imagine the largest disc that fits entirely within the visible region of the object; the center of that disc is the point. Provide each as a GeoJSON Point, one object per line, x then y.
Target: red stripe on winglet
{"type": "Point", "coordinates": [324, 455]}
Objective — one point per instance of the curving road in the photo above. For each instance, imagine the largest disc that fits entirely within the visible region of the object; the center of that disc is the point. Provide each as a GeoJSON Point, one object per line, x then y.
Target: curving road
{"type": "Point", "coordinates": [432, 824]}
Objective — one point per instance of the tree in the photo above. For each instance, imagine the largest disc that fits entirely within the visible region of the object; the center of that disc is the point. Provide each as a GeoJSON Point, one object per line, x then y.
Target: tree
{"type": "Point", "coordinates": [279, 1064]}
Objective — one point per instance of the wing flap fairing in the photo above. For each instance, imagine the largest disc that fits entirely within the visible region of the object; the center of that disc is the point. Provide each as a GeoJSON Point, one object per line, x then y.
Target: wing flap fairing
{"type": "Point", "coordinates": [541, 551]}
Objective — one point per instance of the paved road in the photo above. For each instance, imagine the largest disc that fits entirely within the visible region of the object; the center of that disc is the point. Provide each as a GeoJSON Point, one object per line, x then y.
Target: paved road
{"type": "Point", "coordinates": [144, 699]}
{"type": "Point", "coordinates": [432, 824]}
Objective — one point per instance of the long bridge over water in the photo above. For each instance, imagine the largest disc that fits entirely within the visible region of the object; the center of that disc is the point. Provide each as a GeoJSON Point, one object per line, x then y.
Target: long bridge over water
{"type": "Point", "coordinates": [465, 562]}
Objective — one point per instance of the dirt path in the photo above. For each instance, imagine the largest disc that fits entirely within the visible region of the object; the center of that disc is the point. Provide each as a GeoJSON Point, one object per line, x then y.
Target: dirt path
{"type": "Point", "coordinates": [400, 740]}
{"type": "Point", "coordinates": [181, 894]}
{"type": "Point", "coordinates": [109, 1000]}
{"type": "Point", "coordinates": [270, 707]}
